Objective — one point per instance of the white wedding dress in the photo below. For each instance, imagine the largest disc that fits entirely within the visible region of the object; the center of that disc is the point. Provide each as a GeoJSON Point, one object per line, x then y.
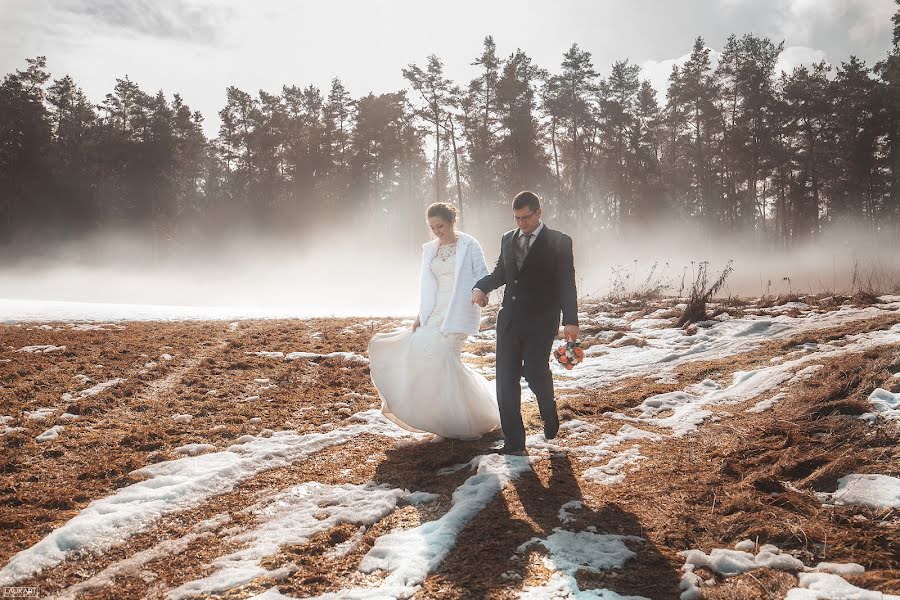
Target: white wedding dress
{"type": "Point", "coordinates": [423, 384]}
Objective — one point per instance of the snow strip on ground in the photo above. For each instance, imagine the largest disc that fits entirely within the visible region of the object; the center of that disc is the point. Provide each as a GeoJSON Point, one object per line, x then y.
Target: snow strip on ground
{"type": "Point", "coordinates": [291, 517]}
{"type": "Point", "coordinates": [685, 405]}
{"type": "Point", "coordinates": [409, 555]}
{"type": "Point", "coordinates": [133, 565]}
{"type": "Point", "coordinates": [669, 348]}
{"type": "Point", "coordinates": [177, 485]}
{"type": "Point", "coordinates": [348, 356]}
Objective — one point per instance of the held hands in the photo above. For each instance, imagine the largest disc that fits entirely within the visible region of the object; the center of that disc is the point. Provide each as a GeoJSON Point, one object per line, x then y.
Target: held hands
{"type": "Point", "coordinates": [416, 324]}
{"type": "Point", "coordinates": [479, 298]}
{"type": "Point", "coordinates": [570, 333]}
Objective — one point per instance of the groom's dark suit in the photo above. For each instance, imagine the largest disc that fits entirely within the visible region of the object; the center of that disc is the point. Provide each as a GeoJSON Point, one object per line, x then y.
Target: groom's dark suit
{"type": "Point", "coordinates": [528, 322]}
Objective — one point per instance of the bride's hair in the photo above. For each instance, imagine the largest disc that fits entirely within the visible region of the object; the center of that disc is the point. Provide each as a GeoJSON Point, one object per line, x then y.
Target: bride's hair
{"type": "Point", "coordinates": [443, 210]}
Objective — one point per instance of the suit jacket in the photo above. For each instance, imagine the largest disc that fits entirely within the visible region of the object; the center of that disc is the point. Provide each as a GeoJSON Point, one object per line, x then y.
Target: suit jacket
{"type": "Point", "coordinates": [544, 286]}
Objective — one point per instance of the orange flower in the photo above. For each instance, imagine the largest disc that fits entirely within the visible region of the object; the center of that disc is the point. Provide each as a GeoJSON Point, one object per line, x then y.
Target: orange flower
{"type": "Point", "coordinates": [579, 352]}
{"type": "Point", "coordinates": [563, 359]}
{"type": "Point", "coordinates": [569, 367]}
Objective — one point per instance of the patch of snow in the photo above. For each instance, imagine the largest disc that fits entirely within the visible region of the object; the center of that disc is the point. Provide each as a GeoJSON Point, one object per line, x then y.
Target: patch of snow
{"type": "Point", "coordinates": [194, 449]}
{"type": "Point", "coordinates": [454, 468]}
{"type": "Point", "coordinates": [689, 584]}
{"type": "Point", "coordinates": [874, 491]}
{"type": "Point", "coordinates": [565, 516]}
{"type": "Point", "coordinates": [49, 435]}
{"type": "Point", "coordinates": [840, 568]}
{"type": "Point", "coordinates": [764, 405]}
{"type": "Point", "coordinates": [267, 354]}
{"type": "Point", "coordinates": [885, 404]}
{"type": "Point", "coordinates": [577, 427]}
{"type": "Point", "coordinates": [736, 562]}
{"type": "Point", "coordinates": [417, 498]}
{"type": "Point", "coordinates": [612, 472]}
{"type": "Point", "coordinates": [44, 349]}
{"type": "Point", "coordinates": [805, 373]}
{"type": "Point", "coordinates": [40, 414]}
{"type": "Point", "coordinates": [182, 418]}
{"type": "Point", "coordinates": [93, 391]}
{"type": "Point", "coordinates": [348, 356]}
{"type": "Point", "coordinates": [571, 552]}
{"type": "Point", "coordinates": [825, 586]}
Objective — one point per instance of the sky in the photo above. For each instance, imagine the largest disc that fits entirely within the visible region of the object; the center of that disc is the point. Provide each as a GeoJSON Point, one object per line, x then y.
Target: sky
{"type": "Point", "coordinates": [199, 47]}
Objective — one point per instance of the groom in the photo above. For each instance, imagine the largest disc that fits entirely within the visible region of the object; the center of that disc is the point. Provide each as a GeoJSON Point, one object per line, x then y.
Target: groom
{"type": "Point", "coordinates": [537, 267]}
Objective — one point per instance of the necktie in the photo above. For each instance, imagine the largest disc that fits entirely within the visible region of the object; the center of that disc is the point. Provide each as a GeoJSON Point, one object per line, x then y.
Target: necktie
{"type": "Point", "coordinates": [524, 246]}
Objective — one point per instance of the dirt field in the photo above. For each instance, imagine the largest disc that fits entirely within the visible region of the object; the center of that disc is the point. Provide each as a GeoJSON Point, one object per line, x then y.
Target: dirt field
{"type": "Point", "coordinates": [741, 475]}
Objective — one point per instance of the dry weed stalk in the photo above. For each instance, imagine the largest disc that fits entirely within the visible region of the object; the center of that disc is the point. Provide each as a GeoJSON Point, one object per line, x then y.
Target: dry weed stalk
{"type": "Point", "coordinates": [701, 292]}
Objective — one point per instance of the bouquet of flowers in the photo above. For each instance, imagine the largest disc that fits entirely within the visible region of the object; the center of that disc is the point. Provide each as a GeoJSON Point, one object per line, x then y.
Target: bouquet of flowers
{"type": "Point", "coordinates": [569, 354]}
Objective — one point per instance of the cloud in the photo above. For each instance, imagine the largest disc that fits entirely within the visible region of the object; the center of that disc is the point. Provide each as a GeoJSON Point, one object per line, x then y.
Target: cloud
{"type": "Point", "coordinates": [168, 19]}
{"type": "Point", "coordinates": [796, 56]}
{"type": "Point", "coordinates": [657, 71]}
{"type": "Point", "coordinates": [843, 27]}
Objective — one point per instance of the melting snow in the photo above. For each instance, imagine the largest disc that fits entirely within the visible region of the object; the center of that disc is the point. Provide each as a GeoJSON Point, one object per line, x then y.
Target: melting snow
{"type": "Point", "coordinates": [177, 485]}
{"type": "Point", "coordinates": [874, 491]}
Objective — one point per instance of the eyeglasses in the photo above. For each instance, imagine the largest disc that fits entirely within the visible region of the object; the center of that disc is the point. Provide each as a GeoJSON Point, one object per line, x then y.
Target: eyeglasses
{"type": "Point", "coordinates": [523, 219]}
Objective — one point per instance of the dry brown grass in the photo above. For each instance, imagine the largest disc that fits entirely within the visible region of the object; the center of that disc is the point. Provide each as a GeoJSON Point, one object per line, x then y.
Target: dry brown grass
{"type": "Point", "coordinates": [735, 479]}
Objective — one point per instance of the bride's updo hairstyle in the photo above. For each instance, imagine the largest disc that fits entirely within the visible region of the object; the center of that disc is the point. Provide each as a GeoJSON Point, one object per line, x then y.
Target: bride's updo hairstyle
{"type": "Point", "coordinates": [443, 210]}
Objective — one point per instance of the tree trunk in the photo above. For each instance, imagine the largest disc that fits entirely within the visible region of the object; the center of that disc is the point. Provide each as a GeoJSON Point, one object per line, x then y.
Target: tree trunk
{"type": "Point", "coordinates": [456, 167]}
{"type": "Point", "coordinates": [437, 154]}
{"type": "Point", "coordinates": [555, 155]}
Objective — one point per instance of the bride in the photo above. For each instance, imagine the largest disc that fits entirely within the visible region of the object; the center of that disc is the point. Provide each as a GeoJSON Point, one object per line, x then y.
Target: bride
{"type": "Point", "coordinates": [423, 384]}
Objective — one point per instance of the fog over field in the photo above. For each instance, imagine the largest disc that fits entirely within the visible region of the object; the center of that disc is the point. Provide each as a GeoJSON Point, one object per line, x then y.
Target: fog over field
{"type": "Point", "coordinates": [361, 273]}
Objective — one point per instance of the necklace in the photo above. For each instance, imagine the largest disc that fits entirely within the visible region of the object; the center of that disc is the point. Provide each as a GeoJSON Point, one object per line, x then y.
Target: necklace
{"type": "Point", "coordinates": [446, 252]}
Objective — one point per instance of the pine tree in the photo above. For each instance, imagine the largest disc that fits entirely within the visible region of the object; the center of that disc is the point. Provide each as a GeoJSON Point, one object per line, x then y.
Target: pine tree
{"type": "Point", "coordinates": [25, 137]}
{"type": "Point", "coordinates": [807, 94]}
{"type": "Point", "coordinates": [436, 91]}
{"type": "Point", "coordinates": [522, 163]}
{"type": "Point", "coordinates": [574, 89]}
{"type": "Point", "coordinates": [479, 120]}
{"type": "Point", "coordinates": [617, 99]}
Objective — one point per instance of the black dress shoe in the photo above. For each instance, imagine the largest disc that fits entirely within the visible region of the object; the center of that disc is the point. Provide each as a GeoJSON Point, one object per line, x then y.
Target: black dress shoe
{"type": "Point", "coordinates": [551, 428]}
{"type": "Point", "coordinates": [509, 449]}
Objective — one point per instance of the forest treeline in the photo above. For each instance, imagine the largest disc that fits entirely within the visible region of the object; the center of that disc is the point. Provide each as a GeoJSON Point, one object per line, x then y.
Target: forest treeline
{"type": "Point", "coordinates": [733, 147]}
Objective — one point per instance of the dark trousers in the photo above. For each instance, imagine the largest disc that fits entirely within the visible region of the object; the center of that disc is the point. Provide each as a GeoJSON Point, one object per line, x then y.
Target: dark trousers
{"type": "Point", "coordinates": [523, 351]}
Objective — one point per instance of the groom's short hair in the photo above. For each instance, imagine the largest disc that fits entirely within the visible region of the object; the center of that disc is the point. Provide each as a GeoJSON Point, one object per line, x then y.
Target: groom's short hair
{"type": "Point", "coordinates": [526, 199]}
